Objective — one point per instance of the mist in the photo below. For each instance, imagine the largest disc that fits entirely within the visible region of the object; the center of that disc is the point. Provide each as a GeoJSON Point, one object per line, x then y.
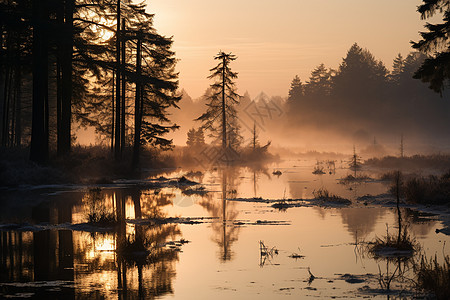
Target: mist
{"type": "Point", "coordinates": [362, 104]}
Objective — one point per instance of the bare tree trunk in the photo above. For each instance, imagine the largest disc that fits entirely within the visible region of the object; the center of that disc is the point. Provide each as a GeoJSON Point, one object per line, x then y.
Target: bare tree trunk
{"type": "Point", "coordinates": [5, 120]}
{"type": "Point", "coordinates": [66, 69]}
{"type": "Point", "coordinates": [13, 97]}
{"type": "Point", "coordinates": [137, 107]}
{"type": "Point", "coordinates": [112, 112]}
{"type": "Point", "coordinates": [39, 130]}
{"type": "Point", "coordinates": [59, 58]}
{"type": "Point", "coordinates": [117, 151]}
{"type": "Point", "coordinates": [18, 108]}
{"type": "Point", "coordinates": [122, 136]}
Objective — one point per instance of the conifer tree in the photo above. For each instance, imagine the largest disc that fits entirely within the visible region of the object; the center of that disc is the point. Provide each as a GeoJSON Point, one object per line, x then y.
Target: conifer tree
{"type": "Point", "coordinates": [435, 70]}
{"type": "Point", "coordinates": [220, 117]}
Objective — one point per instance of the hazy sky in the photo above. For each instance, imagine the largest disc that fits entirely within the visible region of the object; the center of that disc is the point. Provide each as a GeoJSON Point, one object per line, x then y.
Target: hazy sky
{"type": "Point", "coordinates": [275, 40]}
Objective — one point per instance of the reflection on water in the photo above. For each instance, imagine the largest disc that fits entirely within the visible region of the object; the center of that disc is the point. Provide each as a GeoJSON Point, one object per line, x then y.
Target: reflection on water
{"type": "Point", "coordinates": [89, 258]}
{"type": "Point", "coordinates": [222, 261]}
{"type": "Point", "coordinates": [224, 232]}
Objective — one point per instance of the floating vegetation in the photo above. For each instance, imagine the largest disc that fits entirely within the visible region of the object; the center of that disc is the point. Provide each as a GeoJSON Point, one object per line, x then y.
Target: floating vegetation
{"type": "Point", "coordinates": [434, 277]}
{"type": "Point", "coordinates": [296, 255]}
{"type": "Point", "coordinates": [196, 174]}
{"type": "Point", "coordinates": [352, 179]}
{"type": "Point", "coordinates": [200, 190]}
{"type": "Point", "coordinates": [324, 196]}
{"type": "Point", "coordinates": [400, 245]}
{"type": "Point", "coordinates": [318, 170]}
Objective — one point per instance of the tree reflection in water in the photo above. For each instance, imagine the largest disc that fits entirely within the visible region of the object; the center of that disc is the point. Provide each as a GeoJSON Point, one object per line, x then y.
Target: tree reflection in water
{"type": "Point", "coordinates": [86, 264]}
{"type": "Point", "coordinates": [225, 233]}
{"type": "Point", "coordinates": [155, 265]}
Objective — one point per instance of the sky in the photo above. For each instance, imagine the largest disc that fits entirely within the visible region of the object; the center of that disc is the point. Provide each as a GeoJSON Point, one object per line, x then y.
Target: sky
{"type": "Point", "coordinates": [276, 40]}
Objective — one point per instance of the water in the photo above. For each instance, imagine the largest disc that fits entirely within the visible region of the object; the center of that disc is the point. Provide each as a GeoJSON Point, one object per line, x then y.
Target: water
{"type": "Point", "coordinates": [48, 250]}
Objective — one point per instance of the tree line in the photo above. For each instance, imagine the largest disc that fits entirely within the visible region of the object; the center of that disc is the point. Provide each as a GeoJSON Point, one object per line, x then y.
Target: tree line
{"type": "Point", "coordinates": [363, 96]}
{"type": "Point", "coordinates": [85, 62]}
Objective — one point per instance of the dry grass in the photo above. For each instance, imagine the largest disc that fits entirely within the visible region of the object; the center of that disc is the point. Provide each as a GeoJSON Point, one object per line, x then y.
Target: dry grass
{"type": "Point", "coordinates": [352, 179]}
{"type": "Point", "coordinates": [428, 190]}
{"type": "Point", "coordinates": [391, 245]}
{"type": "Point", "coordinates": [434, 277]}
{"type": "Point", "coordinates": [98, 213]}
{"type": "Point", "coordinates": [324, 195]}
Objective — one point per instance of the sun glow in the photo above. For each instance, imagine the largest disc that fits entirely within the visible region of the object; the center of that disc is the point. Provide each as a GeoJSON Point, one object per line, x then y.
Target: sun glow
{"type": "Point", "coordinates": [105, 29]}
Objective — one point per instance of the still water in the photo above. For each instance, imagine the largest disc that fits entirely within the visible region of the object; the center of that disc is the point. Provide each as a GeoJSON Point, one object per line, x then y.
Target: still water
{"type": "Point", "coordinates": [202, 243]}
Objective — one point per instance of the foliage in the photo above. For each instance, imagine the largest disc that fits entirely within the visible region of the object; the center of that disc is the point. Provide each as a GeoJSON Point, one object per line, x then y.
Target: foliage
{"type": "Point", "coordinates": [296, 90]}
{"type": "Point", "coordinates": [435, 41]}
{"type": "Point", "coordinates": [195, 138]}
{"type": "Point", "coordinates": [76, 43]}
{"type": "Point", "coordinates": [220, 118]}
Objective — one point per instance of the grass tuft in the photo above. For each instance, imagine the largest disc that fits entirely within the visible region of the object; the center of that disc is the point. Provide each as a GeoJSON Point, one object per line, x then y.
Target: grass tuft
{"type": "Point", "coordinates": [434, 277]}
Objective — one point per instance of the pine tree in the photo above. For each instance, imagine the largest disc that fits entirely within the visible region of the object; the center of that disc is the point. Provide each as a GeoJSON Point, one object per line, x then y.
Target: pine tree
{"type": "Point", "coordinates": [195, 138]}
{"type": "Point", "coordinates": [220, 117]}
{"type": "Point", "coordinates": [200, 137]}
{"type": "Point", "coordinates": [296, 90]}
{"type": "Point", "coordinates": [435, 70]}
{"type": "Point", "coordinates": [191, 138]}
{"type": "Point", "coordinates": [319, 83]}
{"type": "Point", "coordinates": [398, 67]}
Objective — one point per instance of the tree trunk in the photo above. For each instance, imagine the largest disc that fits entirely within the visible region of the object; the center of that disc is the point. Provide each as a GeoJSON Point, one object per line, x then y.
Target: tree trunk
{"type": "Point", "coordinates": [224, 117]}
{"type": "Point", "coordinates": [117, 151]}
{"type": "Point", "coordinates": [5, 122]}
{"type": "Point", "coordinates": [137, 107]}
{"type": "Point", "coordinates": [59, 58]}
{"type": "Point", "coordinates": [39, 129]}
{"type": "Point", "coordinates": [18, 108]}
{"type": "Point", "coordinates": [112, 112]}
{"type": "Point", "coordinates": [66, 70]}
{"type": "Point", "coordinates": [123, 106]}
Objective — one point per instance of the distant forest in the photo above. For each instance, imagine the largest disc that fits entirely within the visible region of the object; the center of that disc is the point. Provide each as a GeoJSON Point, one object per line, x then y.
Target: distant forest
{"type": "Point", "coordinates": [362, 99]}
{"type": "Point", "coordinates": [102, 64]}
{"type": "Point", "coordinates": [361, 102]}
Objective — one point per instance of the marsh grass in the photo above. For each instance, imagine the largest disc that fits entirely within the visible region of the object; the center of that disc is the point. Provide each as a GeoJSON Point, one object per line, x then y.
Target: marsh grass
{"type": "Point", "coordinates": [428, 190]}
{"type": "Point", "coordinates": [352, 179]}
{"type": "Point", "coordinates": [324, 195]}
{"type": "Point", "coordinates": [434, 277]}
{"type": "Point", "coordinates": [435, 161]}
{"type": "Point", "coordinates": [99, 214]}
{"type": "Point", "coordinates": [399, 245]}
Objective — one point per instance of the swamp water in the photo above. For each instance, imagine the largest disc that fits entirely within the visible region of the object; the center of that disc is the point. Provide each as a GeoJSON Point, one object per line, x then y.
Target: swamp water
{"type": "Point", "coordinates": [219, 241]}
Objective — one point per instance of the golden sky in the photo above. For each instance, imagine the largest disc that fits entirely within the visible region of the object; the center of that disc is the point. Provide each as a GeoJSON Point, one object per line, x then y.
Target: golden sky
{"type": "Point", "coordinates": [275, 40]}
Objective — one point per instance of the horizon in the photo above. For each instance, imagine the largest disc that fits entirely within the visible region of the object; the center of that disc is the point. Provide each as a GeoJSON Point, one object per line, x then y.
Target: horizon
{"type": "Point", "coordinates": [270, 53]}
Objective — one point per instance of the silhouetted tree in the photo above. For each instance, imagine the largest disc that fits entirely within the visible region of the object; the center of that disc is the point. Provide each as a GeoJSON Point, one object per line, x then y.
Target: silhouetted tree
{"type": "Point", "coordinates": [40, 124]}
{"type": "Point", "coordinates": [195, 138]}
{"type": "Point", "coordinates": [435, 42]}
{"type": "Point", "coordinates": [220, 117]}
{"type": "Point", "coordinates": [359, 74]}
{"type": "Point", "coordinates": [398, 67]}
{"type": "Point", "coordinates": [15, 61]}
{"type": "Point", "coordinates": [319, 84]}
{"type": "Point", "coordinates": [296, 90]}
